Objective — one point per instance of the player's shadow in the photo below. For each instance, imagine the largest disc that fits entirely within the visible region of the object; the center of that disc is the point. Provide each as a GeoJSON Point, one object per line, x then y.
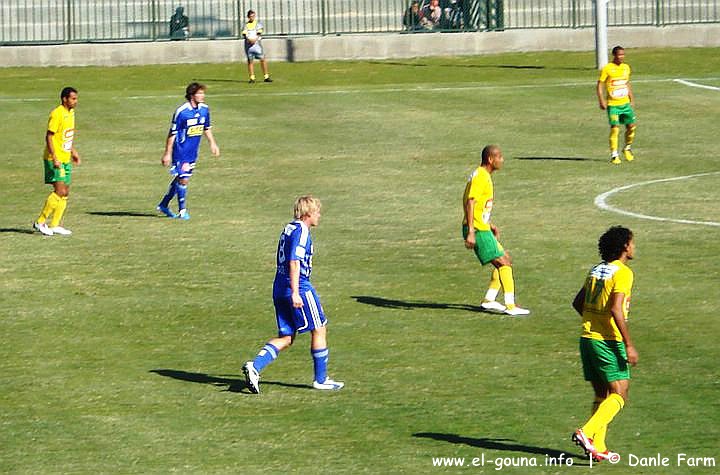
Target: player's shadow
{"type": "Point", "coordinates": [125, 214]}
{"type": "Point", "coordinates": [413, 304]}
{"type": "Point", "coordinates": [562, 159]}
{"type": "Point", "coordinates": [508, 445]}
{"type": "Point", "coordinates": [17, 230]}
{"type": "Point", "coordinates": [231, 384]}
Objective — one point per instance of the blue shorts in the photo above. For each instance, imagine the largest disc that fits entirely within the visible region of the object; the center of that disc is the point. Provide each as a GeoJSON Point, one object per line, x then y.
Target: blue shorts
{"type": "Point", "coordinates": [182, 169]}
{"type": "Point", "coordinates": [254, 51]}
{"type": "Point", "coordinates": [291, 320]}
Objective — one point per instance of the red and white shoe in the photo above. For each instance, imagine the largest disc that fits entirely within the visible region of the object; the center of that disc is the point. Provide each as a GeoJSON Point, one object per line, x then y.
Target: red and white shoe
{"type": "Point", "coordinates": [584, 442]}
{"type": "Point", "coordinates": [612, 457]}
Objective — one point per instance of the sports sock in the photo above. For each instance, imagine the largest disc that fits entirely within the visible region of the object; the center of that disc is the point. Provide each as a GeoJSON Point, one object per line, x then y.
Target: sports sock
{"type": "Point", "coordinates": [494, 286]}
{"type": "Point", "coordinates": [50, 204]}
{"type": "Point", "coordinates": [181, 194]}
{"type": "Point", "coordinates": [265, 356]}
{"type": "Point", "coordinates": [508, 285]}
{"type": "Point", "coordinates": [605, 413]}
{"type": "Point", "coordinates": [629, 137]}
{"type": "Point", "coordinates": [614, 134]}
{"type": "Point", "coordinates": [599, 440]}
{"type": "Point", "coordinates": [172, 189]}
{"type": "Point", "coordinates": [320, 361]}
{"type": "Point", "coordinates": [59, 211]}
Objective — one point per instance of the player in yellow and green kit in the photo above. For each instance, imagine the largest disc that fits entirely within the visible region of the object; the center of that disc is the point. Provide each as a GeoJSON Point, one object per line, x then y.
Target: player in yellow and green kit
{"type": "Point", "coordinates": [617, 98]}
{"type": "Point", "coordinates": [60, 154]}
{"type": "Point", "coordinates": [606, 348]}
{"type": "Point", "coordinates": [481, 236]}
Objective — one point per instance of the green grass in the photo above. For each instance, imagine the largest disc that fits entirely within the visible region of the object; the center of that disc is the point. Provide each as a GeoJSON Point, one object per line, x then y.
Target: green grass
{"type": "Point", "coordinates": [122, 345]}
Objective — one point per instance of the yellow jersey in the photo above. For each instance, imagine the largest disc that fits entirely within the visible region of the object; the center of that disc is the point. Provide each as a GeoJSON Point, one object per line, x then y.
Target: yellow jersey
{"type": "Point", "coordinates": [617, 83]}
{"type": "Point", "coordinates": [603, 280]}
{"type": "Point", "coordinates": [62, 125]}
{"type": "Point", "coordinates": [480, 188]}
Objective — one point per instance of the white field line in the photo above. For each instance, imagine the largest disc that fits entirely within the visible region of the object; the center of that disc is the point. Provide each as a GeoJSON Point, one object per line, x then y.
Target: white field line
{"type": "Point", "coordinates": [694, 84]}
{"type": "Point", "coordinates": [601, 201]}
{"type": "Point", "coordinates": [416, 88]}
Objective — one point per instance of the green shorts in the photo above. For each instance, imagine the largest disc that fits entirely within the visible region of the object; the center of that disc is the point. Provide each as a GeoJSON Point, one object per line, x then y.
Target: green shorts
{"type": "Point", "coordinates": [604, 360]}
{"type": "Point", "coordinates": [621, 115]}
{"type": "Point", "coordinates": [487, 248]}
{"type": "Point", "coordinates": [52, 174]}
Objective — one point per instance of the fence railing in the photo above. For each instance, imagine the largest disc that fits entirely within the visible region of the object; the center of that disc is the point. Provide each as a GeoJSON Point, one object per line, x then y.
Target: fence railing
{"type": "Point", "coordinates": [73, 21]}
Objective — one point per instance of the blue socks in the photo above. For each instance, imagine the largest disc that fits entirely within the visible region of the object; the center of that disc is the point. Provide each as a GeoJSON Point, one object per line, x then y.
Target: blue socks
{"type": "Point", "coordinates": [267, 355]}
{"type": "Point", "coordinates": [181, 193]}
{"type": "Point", "coordinates": [320, 361]}
{"type": "Point", "coordinates": [169, 195]}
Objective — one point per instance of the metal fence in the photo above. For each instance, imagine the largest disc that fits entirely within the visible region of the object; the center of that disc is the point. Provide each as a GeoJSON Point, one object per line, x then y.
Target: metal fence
{"type": "Point", "coordinates": [72, 21]}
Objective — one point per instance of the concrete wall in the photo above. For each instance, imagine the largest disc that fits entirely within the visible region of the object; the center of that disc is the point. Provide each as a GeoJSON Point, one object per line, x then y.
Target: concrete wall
{"type": "Point", "coordinates": [375, 46]}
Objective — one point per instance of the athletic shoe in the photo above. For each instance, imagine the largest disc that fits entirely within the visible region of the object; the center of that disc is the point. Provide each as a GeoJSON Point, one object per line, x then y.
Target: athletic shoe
{"type": "Point", "coordinates": [166, 211]}
{"type": "Point", "coordinates": [492, 306]}
{"type": "Point", "coordinates": [61, 231]}
{"type": "Point", "coordinates": [43, 228]}
{"type": "Point", "coordinates": [515, 311]}
{"type": "Point", "coordinates": [252, 377]}
{"type": "Point", "coordinates": [267, 80]}
{"type": "Point", "coordinates": [584, 442]}
{"type": "Point", "coordinates": [183, 214]}
{"type": "Point", "coordinates": [627, 153]}
{"type": "Point", "coordinates": [252, 81]}
{"type": "Point", "coordinates": [615, 160]}
{"type": "Point", "coordinates": [329, 385]}
{"type": "Point", "coordinates": [612, 457]}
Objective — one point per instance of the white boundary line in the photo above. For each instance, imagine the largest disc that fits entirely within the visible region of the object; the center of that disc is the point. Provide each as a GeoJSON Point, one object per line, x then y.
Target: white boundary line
{"type": "Point", "coordinates": [601, 201]}
{"type": "Point", "coordinates": [694, 84]}
{"type": "Point", "coordinates": [390, 88]}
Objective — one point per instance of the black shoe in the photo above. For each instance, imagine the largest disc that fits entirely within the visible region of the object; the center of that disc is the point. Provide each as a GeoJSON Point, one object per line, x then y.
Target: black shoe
{"type": "Point", "coordinates": [267, 80]}
{"type": "Point", "coordinates": [252, 81]}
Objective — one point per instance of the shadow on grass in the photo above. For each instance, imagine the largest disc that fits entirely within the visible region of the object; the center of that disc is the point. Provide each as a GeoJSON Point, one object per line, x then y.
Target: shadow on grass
{"type": "Point", "coordinates": [17, 230]}
{"type": "Point", "coordinates": [508, 445]}
{"type": "Point", "coordinates": [233, 385]}
{"type": "Point", "coordinates": [484, 66]}
{"type": "Point", "coordinates": [131, 214]}
{"type": "Point", "coordinates": [565, 159]}
{"type": "Point", "coordinates": [413, 304]}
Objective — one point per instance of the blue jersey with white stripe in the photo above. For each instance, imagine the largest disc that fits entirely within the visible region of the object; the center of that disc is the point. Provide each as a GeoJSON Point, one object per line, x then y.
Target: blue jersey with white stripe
{"type": "Point", "coordinates": [188, 126]}
{"type": "Point", "coordinates": [295, 244]}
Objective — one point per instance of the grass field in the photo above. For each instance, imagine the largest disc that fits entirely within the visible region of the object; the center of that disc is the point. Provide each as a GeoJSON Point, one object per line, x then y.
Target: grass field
{"type": "Point", "coordinates": [122, 345]}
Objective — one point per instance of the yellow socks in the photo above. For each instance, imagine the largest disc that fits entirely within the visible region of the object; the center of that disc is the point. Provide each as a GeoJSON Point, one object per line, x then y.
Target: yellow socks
{"type": "Point", "coordinates": [494, 287]}
{"type": "Point", "coordinates": [629, 136]}
{"type": "Point", "coordinates": [596, 427]}
{"type": "Point", "coordinates": [59, 211]}
{"type": "Point", "coordinates": [599, 440]}
{"type": "Point", "coordinates": [50, 204]}
{"type": "Point", "coordinates": [614, 136]}
{"type": "Point", "coordinates": [508, 285]}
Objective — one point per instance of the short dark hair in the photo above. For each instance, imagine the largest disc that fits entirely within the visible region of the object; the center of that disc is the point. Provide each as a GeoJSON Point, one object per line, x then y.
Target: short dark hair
{"type": "Point", "coordinates": [616, 49]}
{"type": "Point", "coordinates": [192, 88]}
{"type": "Point", "coordinates": [66, 92]}
{"type": "Point", "coordinates": [249, 12]}
{"type": "Point", "coordinates": [487, 152]}
{"type": "Point", "coordinates": [612, 243]}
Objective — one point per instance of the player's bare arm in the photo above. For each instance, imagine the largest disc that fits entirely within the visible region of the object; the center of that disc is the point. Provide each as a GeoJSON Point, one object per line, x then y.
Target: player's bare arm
{"type": "Point", "coordinates": [618, 314]}
{"type": "Point", "coordinates": [295, 283]}
{"type": "Point", "coordinates": [214, 149]}
{"type": "Point", "coordinates": [578, 301]}
{"type": "Point", "coordinates": [167, 156]}
{"type": "Point", "coordinates": [601, 95]}
{"type": "Point", "coordinates": [469, 213]}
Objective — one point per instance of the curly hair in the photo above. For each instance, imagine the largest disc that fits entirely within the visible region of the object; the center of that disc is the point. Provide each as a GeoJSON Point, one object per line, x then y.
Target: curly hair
{"type": "Point", "coordinates": [612, 243]}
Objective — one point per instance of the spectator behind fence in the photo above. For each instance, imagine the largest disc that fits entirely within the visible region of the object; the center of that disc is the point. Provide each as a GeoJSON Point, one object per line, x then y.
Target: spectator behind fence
{"type": "Point", "coordinates": [412, 20]}
{"type": "Point", "coordinates": [179, 25]}
{"type": "Point", "coordinates": [431, 15]}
